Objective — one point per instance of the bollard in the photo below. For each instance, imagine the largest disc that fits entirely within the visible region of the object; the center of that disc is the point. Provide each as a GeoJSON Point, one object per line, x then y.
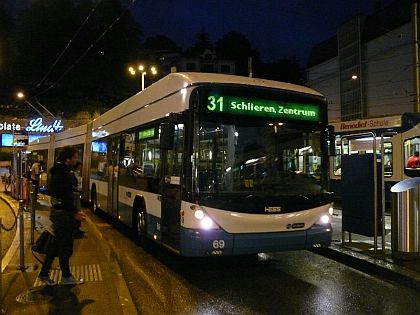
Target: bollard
{"type": "Point", "coordinates": [32, 205]}
{"type": "Point", "coordinates": [21, 237]}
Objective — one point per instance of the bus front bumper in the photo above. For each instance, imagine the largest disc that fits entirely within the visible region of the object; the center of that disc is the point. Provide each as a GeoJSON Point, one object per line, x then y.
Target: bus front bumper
{"type": "Point", "coordinates": [219, 242]}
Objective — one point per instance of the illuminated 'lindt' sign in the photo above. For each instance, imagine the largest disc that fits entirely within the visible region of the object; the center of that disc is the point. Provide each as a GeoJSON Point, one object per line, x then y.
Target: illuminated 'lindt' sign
{"type": "Point", "coordinates": [36, 125]}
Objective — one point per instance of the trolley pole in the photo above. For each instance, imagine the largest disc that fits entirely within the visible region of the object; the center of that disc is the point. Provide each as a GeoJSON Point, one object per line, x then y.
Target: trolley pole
{"type": "Point", "coordinates": [21, 236]}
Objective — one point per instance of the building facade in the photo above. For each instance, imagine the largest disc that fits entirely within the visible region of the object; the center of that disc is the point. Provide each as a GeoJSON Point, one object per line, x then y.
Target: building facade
{"type": "Point", "coordinates": [368, 68]}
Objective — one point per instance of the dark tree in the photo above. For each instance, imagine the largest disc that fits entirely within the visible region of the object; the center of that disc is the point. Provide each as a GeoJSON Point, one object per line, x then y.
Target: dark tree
{"type": "Point", "coordinates": [91, 74]}
{"type": "Point", "coordinates": [6, 33]}
{"type": "Point", "coordinates": [202, 43]}
{"type": "Point", "coordinates": [235, 46]}
{"type": "Point", "coordinates": [284, 70]}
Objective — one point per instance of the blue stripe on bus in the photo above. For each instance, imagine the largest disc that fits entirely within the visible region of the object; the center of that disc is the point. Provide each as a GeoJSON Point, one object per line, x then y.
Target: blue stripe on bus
{"type": "Point", "coordinates": [203, 243]}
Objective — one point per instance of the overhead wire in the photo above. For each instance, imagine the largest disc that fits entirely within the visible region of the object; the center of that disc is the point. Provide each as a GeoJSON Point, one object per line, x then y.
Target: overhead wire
{"type": "Point", "coordinates": [87, 50]}
{"type": "Point", "coordinates": [68, 44]}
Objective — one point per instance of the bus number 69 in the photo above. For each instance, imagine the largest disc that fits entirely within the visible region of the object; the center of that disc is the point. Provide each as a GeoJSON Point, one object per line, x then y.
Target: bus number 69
{"type": "Point", "coordinates": [218, 244]}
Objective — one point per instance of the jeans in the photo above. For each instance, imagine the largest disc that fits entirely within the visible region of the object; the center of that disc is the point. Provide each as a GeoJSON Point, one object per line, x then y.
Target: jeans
{"type": "Point", "coordinates": [63, 223]}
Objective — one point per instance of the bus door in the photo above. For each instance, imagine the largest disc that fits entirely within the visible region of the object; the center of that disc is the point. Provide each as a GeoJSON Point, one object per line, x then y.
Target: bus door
{"type": "Point", "coordinates": [171, 160]}
{"type": "Point", "coordinates": [113, 158]}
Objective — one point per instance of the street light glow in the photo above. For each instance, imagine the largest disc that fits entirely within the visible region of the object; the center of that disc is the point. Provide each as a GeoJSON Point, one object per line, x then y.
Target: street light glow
{"type": "Point", "coordinates": [20, 95]}
{"type": "Point", "coordinates": [132, 71]}
{"type": "Point", "coordinates": [142, 71]}
{"type": "Point", "coordinates": [354, 76]}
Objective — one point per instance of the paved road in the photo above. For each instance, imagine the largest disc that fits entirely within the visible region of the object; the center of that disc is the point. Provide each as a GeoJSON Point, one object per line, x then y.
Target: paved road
{"type": "Point", "coordinates": [298, 282]}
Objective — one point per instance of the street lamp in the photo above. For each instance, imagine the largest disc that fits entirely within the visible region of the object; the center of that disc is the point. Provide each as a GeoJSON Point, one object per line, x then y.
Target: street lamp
{"type": "Point", "coordinates": [142, 69]}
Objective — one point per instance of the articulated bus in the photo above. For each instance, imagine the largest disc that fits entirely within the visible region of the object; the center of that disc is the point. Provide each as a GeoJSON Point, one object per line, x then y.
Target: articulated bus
{"type": "Point", "coordinates": [400, 137]}
{"type": "Point", "coordinates": [212, 164]}
{"type": "Point", "coordinates": [46, 149]}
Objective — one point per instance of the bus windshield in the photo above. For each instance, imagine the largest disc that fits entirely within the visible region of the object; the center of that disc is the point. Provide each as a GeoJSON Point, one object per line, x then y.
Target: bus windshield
{"type": "Point", "coordinates": [266, 160]}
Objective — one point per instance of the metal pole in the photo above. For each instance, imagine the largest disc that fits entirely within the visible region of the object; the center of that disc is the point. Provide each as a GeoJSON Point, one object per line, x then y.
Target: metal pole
{"type": "Point", "coordinates": [375, 194]}
{"type": "Point", "coordinates": [21, 237]}
{"type": "Point", "coordinates": [250, 66]}
{"type": "Point", "coordinates": [20, 176]}
{"type": "Point", "coordinates": [383, 189]}
{"type": "Point", "coordinates": [32, 199]}
{"type": "Point", "coordinates": [143, 74]}
{"type": "Point", "coordinates": [414, 7]}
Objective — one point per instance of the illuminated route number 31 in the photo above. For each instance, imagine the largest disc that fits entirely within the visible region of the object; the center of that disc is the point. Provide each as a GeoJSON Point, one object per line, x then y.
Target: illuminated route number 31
{"type": "Point", "coordinates": [214, 103]}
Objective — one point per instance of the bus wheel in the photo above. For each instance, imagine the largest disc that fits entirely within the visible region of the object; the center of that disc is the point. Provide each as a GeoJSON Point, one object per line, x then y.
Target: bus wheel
{"type": "Point", "coordinates": [141, 228]}
{"type": "Point", "coordinates": [93, 200]}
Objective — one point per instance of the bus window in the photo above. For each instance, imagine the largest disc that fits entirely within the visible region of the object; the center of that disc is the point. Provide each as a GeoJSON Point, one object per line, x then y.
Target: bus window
{"type": "Point", "coordinates": [98, 160]}
{"type": "Point", "coordinates": [175, 155]}
{"type": "Point", "coordinates": [388, 159]}
{"type": "Point", "coordinates": [411, 153]}
{"type": "Point", "coordinates": [127, 159]}
{"type": "Point", "coordinates": [337, 157]}
{"type": "Point", "coordinates": [140, 161]}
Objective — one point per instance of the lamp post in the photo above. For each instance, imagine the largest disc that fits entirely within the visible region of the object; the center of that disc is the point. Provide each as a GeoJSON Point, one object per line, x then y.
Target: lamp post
{"type": "Point", "coordinates": [142, 70]}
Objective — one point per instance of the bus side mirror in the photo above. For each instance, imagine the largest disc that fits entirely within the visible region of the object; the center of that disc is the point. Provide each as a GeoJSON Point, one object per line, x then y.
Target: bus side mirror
{"type": "Point", "coordinates": [167, 132]}
{"type": "Point", "coordinates": [331, 140]}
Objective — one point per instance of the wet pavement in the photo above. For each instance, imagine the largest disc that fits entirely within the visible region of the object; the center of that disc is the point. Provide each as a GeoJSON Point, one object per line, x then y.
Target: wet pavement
{"type": "Point", "coordinates": [104, 290]}
{"type": "Point", "coordinates": [7, 234]}
{"type": "Point", "coordinates": [360, 254]}
{"type": "Point", "coordinates": [298, 282]}
{"type": "Point", "coordinates": [124, 278]}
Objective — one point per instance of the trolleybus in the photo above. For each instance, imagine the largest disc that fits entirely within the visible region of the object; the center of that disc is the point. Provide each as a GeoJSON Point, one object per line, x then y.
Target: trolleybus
{"type": "Point", "coordinates": [212, 164]}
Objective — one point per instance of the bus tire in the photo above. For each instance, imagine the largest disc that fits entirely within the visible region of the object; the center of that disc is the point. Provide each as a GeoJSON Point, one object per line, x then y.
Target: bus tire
{"type": "Point", "coordinates": [140, 221]}
{"type": "Point", "coordinates": [93, 200]}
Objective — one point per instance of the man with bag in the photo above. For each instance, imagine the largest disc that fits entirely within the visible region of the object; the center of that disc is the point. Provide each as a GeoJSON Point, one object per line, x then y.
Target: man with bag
{"type": "Point", "coordinates": [63, 216]}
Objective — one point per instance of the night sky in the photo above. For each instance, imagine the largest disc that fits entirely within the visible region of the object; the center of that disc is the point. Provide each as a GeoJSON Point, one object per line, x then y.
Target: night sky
{"type": "Point", "coordinates": [276, 28]}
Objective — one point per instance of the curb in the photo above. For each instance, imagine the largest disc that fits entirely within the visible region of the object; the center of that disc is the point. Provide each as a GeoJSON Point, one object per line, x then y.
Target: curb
{"type": "Point", "coordinates": [372, 265]}
{"type": "Point", "coordinates": [124, 295]}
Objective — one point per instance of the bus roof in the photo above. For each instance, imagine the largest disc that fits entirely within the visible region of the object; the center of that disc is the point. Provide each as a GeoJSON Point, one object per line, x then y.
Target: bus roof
{"type": "Point", "coordinates": [175, 82]}
{"type": "Point", "coordinates": [195, 78]}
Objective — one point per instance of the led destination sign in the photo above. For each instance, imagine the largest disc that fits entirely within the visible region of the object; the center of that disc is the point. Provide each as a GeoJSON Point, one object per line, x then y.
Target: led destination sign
{"type": "Point", "coordinates": [259, 107]}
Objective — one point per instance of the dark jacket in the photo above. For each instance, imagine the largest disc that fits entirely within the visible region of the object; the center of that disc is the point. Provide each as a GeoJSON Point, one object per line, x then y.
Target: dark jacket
{"type": "Point", "coordinates": [61, 187]}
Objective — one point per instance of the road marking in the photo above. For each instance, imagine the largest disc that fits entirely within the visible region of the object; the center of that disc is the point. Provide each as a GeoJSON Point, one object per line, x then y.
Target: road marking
{"type": "Point", "coordinates": [89, 273]}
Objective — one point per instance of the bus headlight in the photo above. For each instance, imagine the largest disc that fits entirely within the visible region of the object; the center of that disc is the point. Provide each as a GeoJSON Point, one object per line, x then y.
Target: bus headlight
{"type": "Point", "coordinates": [325, 219]}
{"type": "Point", "coordinates": [199, 214]}
{"type": "Point", "coordinates": [206, 223]}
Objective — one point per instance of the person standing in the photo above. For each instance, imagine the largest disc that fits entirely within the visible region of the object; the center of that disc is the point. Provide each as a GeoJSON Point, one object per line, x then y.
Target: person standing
{"type": "Point", "coordinates": [35, 174]}
{"type": "Point", "coordinates": [414, 161]}
{"type": "Point", "coordinates": [63, 216]}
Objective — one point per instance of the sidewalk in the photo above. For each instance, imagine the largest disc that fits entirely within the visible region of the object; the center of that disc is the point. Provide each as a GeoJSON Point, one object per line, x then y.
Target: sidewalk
{"type": "Point", "coordinates": [104, 290]}
{"type": "Point", "coordinates": [360, 255]}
